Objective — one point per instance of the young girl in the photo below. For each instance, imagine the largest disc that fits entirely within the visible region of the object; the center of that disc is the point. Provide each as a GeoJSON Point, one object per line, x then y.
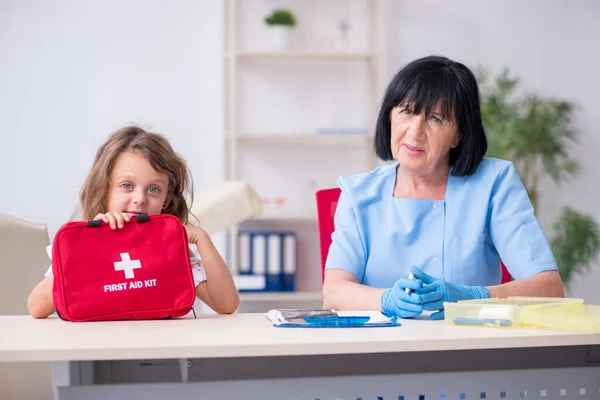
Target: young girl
{"type": "Point", "coordinates": [137, 172]}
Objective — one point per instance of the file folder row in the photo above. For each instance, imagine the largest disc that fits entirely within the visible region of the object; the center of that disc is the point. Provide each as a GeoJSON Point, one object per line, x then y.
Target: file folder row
{"type": "Point", "coordinates": [267, 261]}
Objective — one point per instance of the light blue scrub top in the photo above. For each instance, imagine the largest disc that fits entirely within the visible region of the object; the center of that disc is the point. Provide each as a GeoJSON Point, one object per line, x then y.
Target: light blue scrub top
{"type": "Point", "coordinates": [484, 217]}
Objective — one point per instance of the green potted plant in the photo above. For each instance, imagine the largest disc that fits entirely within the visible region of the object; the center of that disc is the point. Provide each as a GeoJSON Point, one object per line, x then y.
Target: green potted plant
{"type": "Point", "coordinates": [281, 22]}
{"type": "Point", "coordinates": [535, 134]}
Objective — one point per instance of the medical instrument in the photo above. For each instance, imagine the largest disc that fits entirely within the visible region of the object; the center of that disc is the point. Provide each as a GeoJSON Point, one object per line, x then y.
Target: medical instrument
{"type": "Point", "coordinates": [411, 276]}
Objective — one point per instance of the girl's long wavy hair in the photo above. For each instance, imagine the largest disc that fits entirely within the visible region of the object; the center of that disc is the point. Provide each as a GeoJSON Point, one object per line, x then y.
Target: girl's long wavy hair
{"type": "Point", "coordinates": [161, 156]}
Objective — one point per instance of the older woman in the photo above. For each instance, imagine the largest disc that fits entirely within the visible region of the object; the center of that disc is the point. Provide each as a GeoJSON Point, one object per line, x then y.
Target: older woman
{"type": "Point", "coordinates": [440, 210]}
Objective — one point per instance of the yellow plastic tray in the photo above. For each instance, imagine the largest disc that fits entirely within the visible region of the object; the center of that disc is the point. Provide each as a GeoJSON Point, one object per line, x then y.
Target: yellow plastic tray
{"type": "Point", "coordinates": [575, 317]}
{"type": "Point", "coordinates": [501, 313]}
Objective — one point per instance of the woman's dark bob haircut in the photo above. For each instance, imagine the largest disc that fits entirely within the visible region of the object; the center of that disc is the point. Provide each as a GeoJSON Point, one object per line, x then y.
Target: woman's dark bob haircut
{"type": "Point", "coordinates": [425, 83]}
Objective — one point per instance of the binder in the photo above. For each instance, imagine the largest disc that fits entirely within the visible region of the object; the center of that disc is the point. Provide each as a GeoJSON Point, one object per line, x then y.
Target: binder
{"type": "Point", "coordinates": [274, 261]}
{"type": "Point", "coordinates": [259, 254]}
{"type": "Point", "coordinates": [267, 261]}
{"type": "Point", "coordinates": [244, 260]}
{"type": "Point", "coordinates": [290, 261]}
{"type": "Point", "coordinates": [246, 281]}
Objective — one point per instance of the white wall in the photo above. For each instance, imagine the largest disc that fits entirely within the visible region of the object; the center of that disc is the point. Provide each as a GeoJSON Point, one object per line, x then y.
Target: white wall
{"type": "Point", "coordinates": [71, 72]}
{"type": "Point", "coordinates": [553, 45]}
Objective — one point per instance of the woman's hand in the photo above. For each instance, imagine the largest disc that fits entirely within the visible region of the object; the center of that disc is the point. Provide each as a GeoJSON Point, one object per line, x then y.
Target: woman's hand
{"type": "Point", "coordinates": [114, 219]}
{"type": "Point", "coordinates": [194, 233]}
{"type": "Point", "coordinates": [395, 300]}
{"type": "Point", "coordinates": [436, 291]}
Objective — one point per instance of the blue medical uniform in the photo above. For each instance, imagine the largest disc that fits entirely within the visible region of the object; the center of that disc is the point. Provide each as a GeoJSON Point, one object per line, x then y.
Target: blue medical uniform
{"type": "Point", "coordinates": [484, 217]}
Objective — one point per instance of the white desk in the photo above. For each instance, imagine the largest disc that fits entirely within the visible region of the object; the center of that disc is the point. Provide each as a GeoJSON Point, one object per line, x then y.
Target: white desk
{"type": "Point", "coordinates": [243, 356]}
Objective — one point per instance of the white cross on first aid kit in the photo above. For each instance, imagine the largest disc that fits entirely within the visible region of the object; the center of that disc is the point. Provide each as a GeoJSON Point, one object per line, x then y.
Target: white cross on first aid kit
{"type": "Point", "coordinates": [128, 265]}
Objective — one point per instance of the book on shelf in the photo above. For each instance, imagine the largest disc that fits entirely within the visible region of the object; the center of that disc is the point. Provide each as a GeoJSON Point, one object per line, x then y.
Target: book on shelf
{"type": "Point", "coordinates": [267, 261]}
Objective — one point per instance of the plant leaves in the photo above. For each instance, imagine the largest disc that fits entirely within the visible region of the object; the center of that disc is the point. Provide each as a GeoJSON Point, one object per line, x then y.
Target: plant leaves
{"type": "Point", "coordinates": [576, 242]}
{"type": "Point", "coordinates": [535, 133]}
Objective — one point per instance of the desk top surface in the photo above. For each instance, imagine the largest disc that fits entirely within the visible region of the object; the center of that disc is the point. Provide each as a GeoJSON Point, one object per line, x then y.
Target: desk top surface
{"type": "Point", "coordinates": [23, 338]}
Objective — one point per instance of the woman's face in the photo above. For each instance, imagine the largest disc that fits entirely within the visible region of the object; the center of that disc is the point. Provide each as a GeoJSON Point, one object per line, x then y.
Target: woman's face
{"type": "Point", "coordinates": [422, 143]}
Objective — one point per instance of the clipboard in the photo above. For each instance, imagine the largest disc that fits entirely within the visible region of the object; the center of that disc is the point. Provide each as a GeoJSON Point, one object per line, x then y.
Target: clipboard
{"type": "Point", "coordinates": [295, 318]}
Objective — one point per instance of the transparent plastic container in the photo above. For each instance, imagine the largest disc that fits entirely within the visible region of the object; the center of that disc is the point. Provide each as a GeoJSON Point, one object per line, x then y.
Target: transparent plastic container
{"type": "Point", "coordinates": [501, 313]}
{"type": "Point", "coordinates": [574, 317]}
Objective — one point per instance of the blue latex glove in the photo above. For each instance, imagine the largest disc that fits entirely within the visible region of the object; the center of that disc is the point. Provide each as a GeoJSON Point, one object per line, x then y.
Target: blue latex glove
{"type": "Point", "coordinates": [446, 292]}
{"type": "Point", "coordinates": [395, 301]}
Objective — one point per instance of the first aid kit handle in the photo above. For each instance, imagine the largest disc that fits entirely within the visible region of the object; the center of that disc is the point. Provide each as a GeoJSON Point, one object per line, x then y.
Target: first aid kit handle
{"type": "Point", "coordinates": [138, 218]}
{"type": "Point", "coordinates": [142, 218]}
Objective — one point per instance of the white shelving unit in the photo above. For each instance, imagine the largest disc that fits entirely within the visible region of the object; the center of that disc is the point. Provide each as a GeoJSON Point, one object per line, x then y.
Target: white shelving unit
{"type": "Point", "coordinates": [274, 109]}
{"type": "Point", "coordinates": [256, 302]}
{"type": "Point", "coordinates": [311, 139]}
{"type": "Point", "coordinates": [280, 217]}
{"type": "Point", "coordinates": [305, 55]}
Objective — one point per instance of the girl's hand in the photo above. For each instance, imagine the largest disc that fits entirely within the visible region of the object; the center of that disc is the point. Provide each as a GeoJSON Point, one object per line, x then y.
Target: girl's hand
{"type": "Point", "coordinates": [194, 233]}
{"type": "Point", "coordinates": [115, 219]}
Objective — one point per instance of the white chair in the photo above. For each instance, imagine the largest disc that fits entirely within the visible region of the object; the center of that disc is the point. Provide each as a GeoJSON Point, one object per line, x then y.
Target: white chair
{"type": "Point", "coordinates": [23, 261]}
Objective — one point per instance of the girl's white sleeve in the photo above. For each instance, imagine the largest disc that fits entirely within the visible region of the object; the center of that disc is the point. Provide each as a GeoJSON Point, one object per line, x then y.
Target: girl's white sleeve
{"type": "Point", "coordinates": [49, 251]}
{"type": "Point", "coordinates": [197, 266]}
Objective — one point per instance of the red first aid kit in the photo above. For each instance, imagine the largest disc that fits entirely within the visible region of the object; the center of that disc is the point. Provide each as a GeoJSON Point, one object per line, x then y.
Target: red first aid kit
{"type": "Point", "coordinates": [141, 271]}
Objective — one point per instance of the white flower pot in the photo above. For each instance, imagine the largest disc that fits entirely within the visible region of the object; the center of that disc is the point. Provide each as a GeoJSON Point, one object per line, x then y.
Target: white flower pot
{"type": "Point", "coordinates": [280, 37]}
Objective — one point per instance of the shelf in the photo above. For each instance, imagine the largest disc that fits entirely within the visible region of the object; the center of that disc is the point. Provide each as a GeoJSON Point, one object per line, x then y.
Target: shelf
{"type": "Point", "coordinates": [324, 139]}
{"type": "Point", "coordinates": [258, 148]}
{"type": "Point", "coordinates": [247, 297]}
{"type": "Point", "coordinates": [294, 217]}
{"type": "Point", "coordinates": [305, 55]}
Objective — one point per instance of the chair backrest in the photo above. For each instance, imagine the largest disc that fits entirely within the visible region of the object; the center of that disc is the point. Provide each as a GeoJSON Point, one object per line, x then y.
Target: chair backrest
{"type": "Point", "coordinates": [23, 261]}
{"type": "Point", "coordinates": [327, 200]}
{"type": "Point", "coordinates": [505, 274]}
